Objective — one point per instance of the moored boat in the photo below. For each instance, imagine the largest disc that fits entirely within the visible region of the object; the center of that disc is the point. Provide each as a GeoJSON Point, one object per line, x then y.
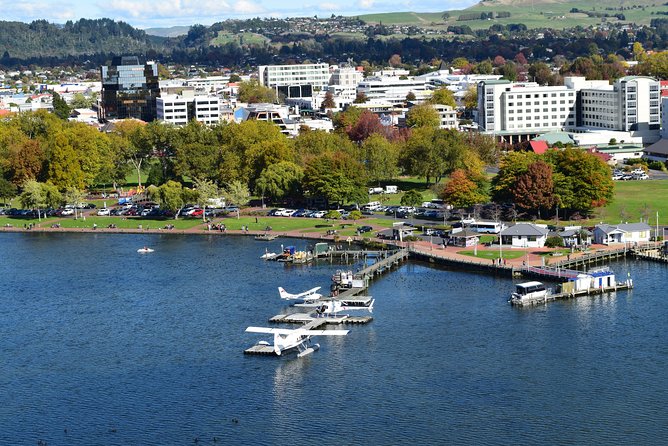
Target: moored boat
{"type": "Point", "coordinates": [529, 293]}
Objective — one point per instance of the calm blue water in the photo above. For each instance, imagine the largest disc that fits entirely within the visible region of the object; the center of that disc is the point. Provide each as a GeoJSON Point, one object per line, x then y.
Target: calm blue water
{"type": "Point", "coordinates": [103, 346]}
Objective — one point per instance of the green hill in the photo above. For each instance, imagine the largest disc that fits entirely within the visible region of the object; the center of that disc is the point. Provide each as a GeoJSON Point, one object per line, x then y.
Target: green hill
{"type": "Point", "coordinates": [174, 31]}
{"type": "Point", "coordinates": [558, 14]}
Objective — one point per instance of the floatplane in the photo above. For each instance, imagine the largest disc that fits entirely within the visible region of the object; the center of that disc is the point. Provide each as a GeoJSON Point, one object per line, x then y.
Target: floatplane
{"type": "Point", "coordinates": [306, 296]}
{"type": "Point", "coordinates": [288, 340]}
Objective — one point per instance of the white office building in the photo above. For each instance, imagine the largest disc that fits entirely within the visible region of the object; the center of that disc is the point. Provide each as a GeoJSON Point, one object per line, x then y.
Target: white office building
{"type": "Point", "coordinates": [393, 90]}
{"type": "Point", "coordinates": [179, 109]}
{"type": "Point", "coordinates": [295, 81]}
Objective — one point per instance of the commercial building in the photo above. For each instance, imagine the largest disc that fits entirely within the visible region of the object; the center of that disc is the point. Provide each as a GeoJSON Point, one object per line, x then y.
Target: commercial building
{"type": "Point", "coordinates": [179, 109]}
{"type": "Point", "coordinates": [129, 90]}
{"type": "Point", "coordinates": [295, 81]}
{"type": "Point", "coordinates": [393, 90]}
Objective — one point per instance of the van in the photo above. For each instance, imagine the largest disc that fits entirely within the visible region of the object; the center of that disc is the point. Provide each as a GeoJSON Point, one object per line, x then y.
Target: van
{"type": "Point", "coordinates": [391, 189]}
{"type": "Point", "coordinates": [375, 190]}
{"type": "Point", "coordinates": [372, 205]}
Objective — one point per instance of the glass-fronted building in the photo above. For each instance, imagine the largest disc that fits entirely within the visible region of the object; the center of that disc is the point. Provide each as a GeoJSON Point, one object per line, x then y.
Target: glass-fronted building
{"type": "Point", "coordinates": [129, 90]}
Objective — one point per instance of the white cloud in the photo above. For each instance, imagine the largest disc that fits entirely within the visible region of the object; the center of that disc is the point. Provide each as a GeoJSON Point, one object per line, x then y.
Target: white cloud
{"type": "Point", "coordinates": [366, 4]}
{"type": "Point", "coordinates": [329, 6]}
{"type": "Point", "coordinates": [166, 8]}
{"type": "Point", "coordinates": [247, 7]}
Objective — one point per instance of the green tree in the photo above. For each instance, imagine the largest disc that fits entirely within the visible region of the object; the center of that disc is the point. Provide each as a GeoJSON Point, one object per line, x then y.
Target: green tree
{"type": "Point", "coordinates": [33, 197]}
{"type": "Point", "coordinates": [412, 197]}
{"type": "Point", "coordinates": [443, 96]}
{"type": "Point", "coordinates": [380, 157]}
{"type": "Point", "coordinates": [337, 177]}
{"type": "Point", "coordinates": [169, 196]}
{"type": "Point", "coordinates": [423, 115]}
{"type": "Point", "coordinates": [65, 163]}
{"type": "Point", "coordinates": [60, 107]}
{"type": "Point", "coordinates": [280, 180]}
{"type": "Point", "coordinates": [205, 190]}
{"type": "Point", "coordinates": [7, 190]}
{"type": "Point", "coordinates": [471, 98]}
{"type": "Point", "coordinates": [74, 197]}
{"type": "Point", "coordinates": [410, 97]}
{"type": "Point", "coordinates": [132, 141]}
{"type": "Point", "coordinates": [252, 92]}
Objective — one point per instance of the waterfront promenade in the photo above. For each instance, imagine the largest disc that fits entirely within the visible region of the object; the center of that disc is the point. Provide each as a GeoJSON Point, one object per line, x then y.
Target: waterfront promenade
{"type": "Point", "coordinates": [422, 250]}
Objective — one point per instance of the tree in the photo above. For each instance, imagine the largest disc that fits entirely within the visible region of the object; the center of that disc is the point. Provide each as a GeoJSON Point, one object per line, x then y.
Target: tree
{"type": "Point", "coordinates": [380, 158]}
{"type": "Point", "coordinates": [252, 92]}
{"type": "Point", "coordinates": [443, 96]}
{"type": "Point", "coordinates": [205, 190]}
{"type": "Point", "coordinates": [280, 180]}
{"type": "Point", "coordinates": [7, 190]}
{"type": "Point", "coordinates": [337, 177]}
{"type": "Point", "coordinates": [24, 160]}
{"type": "Point", "coordinates": [534, 190]}
{"type": "Point", "coordinates": [360, 98]}
{"type": "Point", "coordinates": [461, 191]}
{"type": "Point", "coordinates": [60, 107]}
{"type": "Point", "coordinates": [74, 197]}
{"type": "Point", "coordinates": [412, 198]}
{"type": "Point", "coordinates": [484, 67]}
{"type": "Point", "coordinates": [367, 124]}
{"type": "Point", "coordinates": [410, 97]}
{"type": "Point", "coordinates": [423, 115]}
{"type": "Point", "coordinates": [237, 193]}
{"type": "Point", "coordinates": [540, 73]}
{"type": "Point", "coordinates": [471, 98]}
{"type": "Point", "coordinates": [328, 102]}
{"type": "Point", "coordinates": [499, 61]}
{"type": "Point", "coordinates": [395, 61]}
{"type": "Point", "coordinates": [509, 71]}
{"type": "Point", "coordinates": [33, 197]}
{"type": "Point", "coordinates": [65, 164]}
{"type": "Point", "coordinates": [134, 145]}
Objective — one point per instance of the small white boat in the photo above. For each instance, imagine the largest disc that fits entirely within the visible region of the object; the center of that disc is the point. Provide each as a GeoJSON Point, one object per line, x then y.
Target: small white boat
{"type": "Point", "coordinates": [144, 250]}
{"type": "Point", "coordinates": [529, 293]}
{"type": "Point", "coordinates": [269, 256]}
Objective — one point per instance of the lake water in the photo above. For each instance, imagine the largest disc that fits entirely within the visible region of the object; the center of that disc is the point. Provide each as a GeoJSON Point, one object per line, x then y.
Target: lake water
{"type": "Point", "coordinates": [104, 346]}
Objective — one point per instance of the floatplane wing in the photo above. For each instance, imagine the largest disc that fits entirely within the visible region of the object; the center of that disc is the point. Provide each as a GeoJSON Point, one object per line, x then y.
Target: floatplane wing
{"type": "Point", "coordinates": [286, 339]}
{"type": "Point", "coordinates": [297, 331]}
{"type": "Point", "coordinates": [307, 295]}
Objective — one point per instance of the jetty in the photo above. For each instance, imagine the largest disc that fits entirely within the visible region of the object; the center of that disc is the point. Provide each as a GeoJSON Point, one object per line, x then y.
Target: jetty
{"type": "Point", "coordinates": [627, 285]}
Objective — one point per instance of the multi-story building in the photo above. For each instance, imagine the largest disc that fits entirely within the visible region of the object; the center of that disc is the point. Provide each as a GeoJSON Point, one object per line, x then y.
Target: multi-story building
{"type": "Point", "coordinates": [520, 111]}
{"type": "Point", "coordinates": [179, 109]}
{"type": "Point", "coordinates": [632, 103]}
{"type": "Point", "coordinates": [392, 90]}
{"type": "Point", "coordinates": [129, 90]}
{"type": "Point", "coordinates": [295, 81]}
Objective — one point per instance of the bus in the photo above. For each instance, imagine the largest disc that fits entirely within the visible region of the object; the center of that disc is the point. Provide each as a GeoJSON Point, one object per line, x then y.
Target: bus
{"type": "Point", "coordinates": [487, 227]}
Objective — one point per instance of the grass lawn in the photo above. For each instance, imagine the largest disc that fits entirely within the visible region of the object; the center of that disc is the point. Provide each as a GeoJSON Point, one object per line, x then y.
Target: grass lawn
{"type": "Point", "coordinates": [493, 254]}
{"type": "Point", "coordinates": [635, 199]}
{"type": "Point", "coordinates": [19, 222]}
{"type": "Point", "coordinates": [127, 223]}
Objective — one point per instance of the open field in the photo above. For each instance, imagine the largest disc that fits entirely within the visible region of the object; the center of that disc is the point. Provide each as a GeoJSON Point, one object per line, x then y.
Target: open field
{"type": "Point", "coordinates": [635, 200]}
{"type": "Point", "coordinates": [534, 14]}
{"type": "Point", "coordinates": [242, 38]}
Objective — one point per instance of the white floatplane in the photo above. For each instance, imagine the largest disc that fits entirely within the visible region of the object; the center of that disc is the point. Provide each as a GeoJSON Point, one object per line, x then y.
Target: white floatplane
{"type": "Point", "coordinates": [144, 250]}
{"type": "Point", "coordinates": [333, 307]}
{"type": "Point", "coordinates": [286, 340]}
{"type": "Point", "coordinates": [306, 296]}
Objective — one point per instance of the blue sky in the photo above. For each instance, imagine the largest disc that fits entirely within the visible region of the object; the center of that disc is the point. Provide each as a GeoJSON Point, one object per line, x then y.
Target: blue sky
{"type": "Point", "coordinates": [160, 13]}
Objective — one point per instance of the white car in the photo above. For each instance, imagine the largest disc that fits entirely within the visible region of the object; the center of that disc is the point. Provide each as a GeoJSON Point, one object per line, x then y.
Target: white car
{"type": "Point", "coordinates": [67, 211]}
{"type": "Point", "coordinates": [103, 211]}
{"type": "Point", "coordinates": [318, 214]}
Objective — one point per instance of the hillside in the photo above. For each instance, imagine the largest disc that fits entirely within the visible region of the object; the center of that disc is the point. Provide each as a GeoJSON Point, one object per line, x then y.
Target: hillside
{"type": "Point", "coordinates": [557, 14]}
{"type": "Point", "coordinates": [174, 31]}
{"type": "Point", "coordinates": [43, 39]}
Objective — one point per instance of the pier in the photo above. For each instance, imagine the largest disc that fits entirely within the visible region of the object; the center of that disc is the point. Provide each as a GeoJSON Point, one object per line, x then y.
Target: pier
{"type": "Point", "coordinates": [591, 291]}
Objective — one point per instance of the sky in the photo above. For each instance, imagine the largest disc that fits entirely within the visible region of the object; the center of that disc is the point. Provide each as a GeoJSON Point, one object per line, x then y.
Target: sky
{"type": "Point", "coordinates": [165, 13]}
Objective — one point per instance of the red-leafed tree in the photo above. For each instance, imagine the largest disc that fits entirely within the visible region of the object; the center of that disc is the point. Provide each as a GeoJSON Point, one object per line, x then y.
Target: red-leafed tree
{"type": "Point", "coordinates": [534, 189]}
{"type": "Point", "coordinates": [367, 124]}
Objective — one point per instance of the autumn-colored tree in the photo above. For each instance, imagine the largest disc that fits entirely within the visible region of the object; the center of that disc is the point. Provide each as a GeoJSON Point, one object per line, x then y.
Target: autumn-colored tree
{"type": "Point", "coordinates": [422, 115]}
{"type": "Point", "coordinates": [328, 102]}
{"type": "Point", "coordinates": [367, 124]}
{"type": "Point", "coordinates": [25, 160]}
{"type": "Point", "coordinates": [360, 98]}
{"type": "Point", "coordinates": [520, 58]}
{"type": "Point", "coordinates": [395, 61]}
{"type": "Point", "coordinates": [499, 61]}
{"type": "Point", "coordinates": [461, 191]}
{"type": "Point", "coordinates": [252, 92]}
{"type": "Point", "coordinates": [533, 190]}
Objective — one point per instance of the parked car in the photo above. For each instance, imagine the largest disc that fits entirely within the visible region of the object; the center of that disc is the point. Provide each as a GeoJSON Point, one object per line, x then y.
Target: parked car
{"type": "Point", "coordinates": [363, 229]}
{"type": "Point", "coordinates": [103, 211]}
{"type": "Point", "coordinates": [67, 211]}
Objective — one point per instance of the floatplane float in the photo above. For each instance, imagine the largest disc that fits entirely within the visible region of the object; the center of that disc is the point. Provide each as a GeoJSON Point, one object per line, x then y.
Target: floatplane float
{"type": "Point", "coordinates": [289, 340]}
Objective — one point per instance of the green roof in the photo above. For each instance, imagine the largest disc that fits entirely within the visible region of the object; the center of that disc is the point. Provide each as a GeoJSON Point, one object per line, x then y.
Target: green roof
{"type": "Point", "coordinates": [552, 138]}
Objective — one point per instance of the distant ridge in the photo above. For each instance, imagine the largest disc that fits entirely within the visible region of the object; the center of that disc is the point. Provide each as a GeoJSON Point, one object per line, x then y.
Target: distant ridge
{"type": "Point", "coordinates": [173, 31]}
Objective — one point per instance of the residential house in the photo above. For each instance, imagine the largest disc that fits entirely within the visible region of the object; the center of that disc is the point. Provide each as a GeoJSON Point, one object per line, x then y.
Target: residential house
{"type": "Point", "coordinates": [632, 233]}
{"type": "Point", "coordinates": [524, 235]}
{"type": "Point", "coordinates": [574, 236]}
